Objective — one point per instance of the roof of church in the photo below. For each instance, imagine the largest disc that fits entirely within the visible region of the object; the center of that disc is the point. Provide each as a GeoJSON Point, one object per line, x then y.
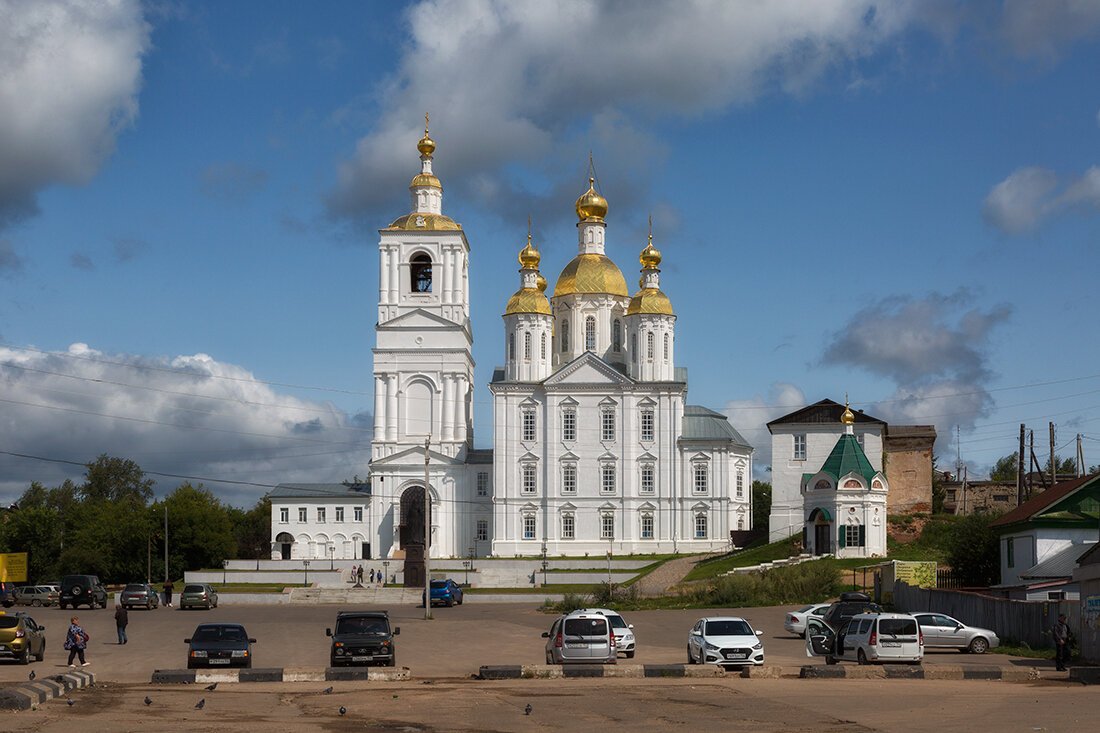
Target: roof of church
{"type": "Point", "coordinates": [703, 424]}
{"type": "Point", "coordinates": [288, 491]}
{"type": "Point", "coordinates": [825, 411]}
{"type": "Point", "coordinates": [848, 457]}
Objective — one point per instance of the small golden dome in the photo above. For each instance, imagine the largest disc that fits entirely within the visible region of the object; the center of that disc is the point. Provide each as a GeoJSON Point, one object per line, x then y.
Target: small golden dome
{"type": "Point", "coordinates": [591, 205]}
{"type": "Point", "coordinates": [528, 300]}
{"type": "Point", "coordinates": [424, 222]}
{"type": "Point", "coordinates": [426, 146]}
{"type": "Point", "coordinates": [529, 257]}
{"type": "Point", "coordinates": [848, 417]}
{"type": "Point", "coordinates": [421, 180]}
{"type": "Point", "coordinates": [650, 301]}
{"type": "Point", "coordinates": [591, 273]}
{"type": "Point", "coordinates": [651, 256]}
{"type": "Point", "coordinates": [540, 283]}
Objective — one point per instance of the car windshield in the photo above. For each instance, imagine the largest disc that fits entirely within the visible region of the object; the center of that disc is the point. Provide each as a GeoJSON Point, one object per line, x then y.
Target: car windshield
{"type": "Point", "coordinates": [897, 627]}
{"type": "Point", "coordinates": [728, 628]}
{"type": "Point", "coordinates": [805, 608]}
{"type": "Point", "coordinates": [193, 589]}
{"type": "Point", "coordinates": [134, 588]}
{"type": "Point", "coordinates": [586, 626]}
{"type": "Point", "coordinates": [8, 622]}
{"type": "Point", "coordinates": [219, 633]}
{"type": "Point", "coordinates": [439, 584]}
{"type": "Point", "coordinates": [617, 622]}
{"type": "Point", "coordinates": [361, 626]}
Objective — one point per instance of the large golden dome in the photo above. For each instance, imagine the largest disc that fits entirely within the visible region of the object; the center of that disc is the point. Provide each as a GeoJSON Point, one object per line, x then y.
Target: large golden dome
{"type": "Point", "coordinates": [591, 205]}
{"type": "Point", "coordinates": [591, 273]}
{"type": "Point", "coordinates": [528, 300]}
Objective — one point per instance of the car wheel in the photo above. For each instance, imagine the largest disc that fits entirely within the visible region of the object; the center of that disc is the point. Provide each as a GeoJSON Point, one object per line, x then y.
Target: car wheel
{"type": "Point", "coordinates": [549, 658]}
{"type": "Point", "coordinates": [450, 603]}
{"type": "Point", "coordinates": [691, 659]}
{"type": "Point", "coordinates": [830, 660]}
{"type": "Point", "coordinates": [41, 652]}
{"type": "Point", "coordinates": [392, 661]}
{"type": "Point", "coordinates": [978, 646]}
{"type": "Point", "coordinates": [248, 664]}
{"type": "Point", "coordinates": [630, 654]}
{"type": "Point", "coordinates": [36, 603]}
{"type": "Point", "coordinates": [26, 658]}
{"type": "Point", "coordinates": [861, 658]}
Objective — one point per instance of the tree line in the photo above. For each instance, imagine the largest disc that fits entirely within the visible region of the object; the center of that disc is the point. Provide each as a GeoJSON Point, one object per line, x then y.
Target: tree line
{"type": "Point", "coordinates": [110, 526]}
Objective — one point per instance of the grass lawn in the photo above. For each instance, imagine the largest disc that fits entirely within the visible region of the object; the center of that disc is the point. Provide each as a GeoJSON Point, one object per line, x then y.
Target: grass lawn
{"type": "Point", "coordinates": [753, 556]}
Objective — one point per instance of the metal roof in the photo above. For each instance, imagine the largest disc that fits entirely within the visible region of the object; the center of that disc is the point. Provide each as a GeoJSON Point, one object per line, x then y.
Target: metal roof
{"type": "Point", "coordinates": [703, 424]}
{"type": "Point", "coordinates": [826, 411]}
{"type": "Point", "coordinates": [320, 491]}
{"type": "Point", "coordinates": [1059, 565]}
{"type": "Point", "coordinates": [848, 457]}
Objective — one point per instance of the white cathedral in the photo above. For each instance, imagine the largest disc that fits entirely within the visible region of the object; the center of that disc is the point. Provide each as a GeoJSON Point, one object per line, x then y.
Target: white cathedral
{"type": "Point", "coordinates": [594, 448]}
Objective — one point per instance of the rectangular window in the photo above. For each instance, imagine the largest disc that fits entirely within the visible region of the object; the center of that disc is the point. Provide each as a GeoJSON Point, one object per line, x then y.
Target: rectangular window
{"type": "Point", "coordinates": [607, 526]}
{"type": "Point", "coordinates": [1010, 552]}
{"type": "Point", "coordinates": [647, 478]}
{"type": "Point", "coordinates": [284, 515]}
{"type": "Point", "coordinates": [482, 483]}
{"type": "Point", "coordinates": [568, 526]}
{"type": "Point", "coordinates": [528, 526]}
{"type": "Point", "coordinates": [800, 447]}
{"type": "Point", "coordinates": [647, 526]}
{"type": "Point", "coordinates": [530, 484]}
{"type": "Point", "coordinates": [302, 514]}
{"type": "Point", "coordinates": [339, 514]}
{"type": "Point", "coordinates": [528, 425]}
{"type": "Point", "coordinates": [701, 471]}
{"type": "Point", "coordinates": [647, 425]}
{"type": "Point", "coordinates": [607, 478]}
{"type": "Point", "coordinates": [1000, 497]}
{"type": "Point", "coordinates": [357, 513]}
{"type": "Point", "coordinates": [482, 530]}
{"type": "Point", "coordinates": [740, 484]}
{"type": "Point", "coordinates": [320, 515]}
{"type": "Point", "coordinates": [853, 537]}
{"type": "Point", "coordinates": [700, 526]}
{"type": "Point", "coordinates": [607, 424]}
{"type": "Point", "coordinates": [569, 479]}
{"type": "Point", "coordinates": [569, 425]}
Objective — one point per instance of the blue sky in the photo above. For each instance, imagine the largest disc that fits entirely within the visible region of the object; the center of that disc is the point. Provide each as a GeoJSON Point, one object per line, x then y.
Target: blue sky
{"type": "Point", "coordinates": [894, 200]}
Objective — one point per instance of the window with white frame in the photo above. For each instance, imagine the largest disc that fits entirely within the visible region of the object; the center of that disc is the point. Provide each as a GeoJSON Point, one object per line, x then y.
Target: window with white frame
{"type": "Point", "coordinates": [852, 536]}
{"type": "Point", "coordinates": [530, 481]}
{"type": "Point", "coordinates": [608, 482]}
{"type": "Point", "coordinates": [358, 513]}
{"type": "Point", "coordinates": [590, 333]}
{"type": "Point", "coordinates": [740, 524]}
{"type": "Point", "coordinates": [607, 525]}
{"type": "Point", "coordinates": [528, 424]}
{"type": "Point", "coordinates": [284, 515]}
{"type": "Point", "coordinates": [527, 345]}
{"type": "Point", "coordinates": [799, 446]}
{"type": "Point", "coordinates": [543, 346]}
{"type": "Point", "coordinates": [740, 483]}
{"type": "Point", "coordinates": [320, 515]}
{"type": "Point", "coordinates": [633, 348]}
{"type": "Point", "coordinates": [700, 526]}
{"type": "Point", "coordinates": [569, 478]}
{"type": "Point", "coordinates": [701, 473]}
{"type": "Point", "coordinates": [339, 514]}
{"type": "Point", "coordinates": [649, 346]}
{"type": "Point", "coordinates": [647, 525]}
{"type": "Point", "coordinates": [568, 526]}
{"type": "Point", "coordinates": [528, 526]}
{"type": "Point", "coordinates": [302, 514]}
{"type": "Point", "coordinates": [482, 483]}
{"type": "Point", "coordinates": [511, 347]}
{"type": "Point", "coordinates": [647, 424]}
{"type": "Point", "coordinates": [569, 424]}
{"type": "Point", "coordinates": [617, 336]}
{"type": "Point", "coordinates": [482, 530]}
{"type": "Point", "coordinates": [667, 350]}
{"type": "Point", "coordinates": [648, 482]}
{"type": "Point", "coordinates": [607, 423]}
{"type": "Point", "coordinates": [564, 335]}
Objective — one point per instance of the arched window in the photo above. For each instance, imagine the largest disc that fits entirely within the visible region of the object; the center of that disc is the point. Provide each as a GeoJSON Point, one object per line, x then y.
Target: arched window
{"type": "Point", "coordinates": [649, 348]}
{"type": "Point", "coordinates": [512, 346]}
{"type": "Point", "coordinates": [634, 348]}
{"type": "Point", "coordinates": [544, 346]}
{"type": "Point", "coordinates": [564, 335]}
{"type": "Point", "coordinates": [590, 333]}
{"type": "Point", "coordinates": [617, 335]}
{"type": "Point", "coordinates": [420, 274]}
{"type": "Point", "coordinates": [666, 346]}
{"type": "Point", "coordinates": [527, 345]}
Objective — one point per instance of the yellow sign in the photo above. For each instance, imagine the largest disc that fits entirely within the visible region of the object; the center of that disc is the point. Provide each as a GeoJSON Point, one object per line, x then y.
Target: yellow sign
{"type": "Point", "coordinates": [915, 574]}
{"type": "Point", "coordinates": [13, 567]}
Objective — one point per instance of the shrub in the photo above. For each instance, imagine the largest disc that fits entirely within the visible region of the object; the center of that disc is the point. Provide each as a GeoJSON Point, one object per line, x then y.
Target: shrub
{"type": "Point", "coordinates": [806, 583]}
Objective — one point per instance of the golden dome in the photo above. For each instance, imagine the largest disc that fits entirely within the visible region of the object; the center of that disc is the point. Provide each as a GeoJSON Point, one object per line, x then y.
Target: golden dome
{"type": "Point", "coordinates": [426, 146]}
{"type": "Point", "coordinates": [591, 205]}
{"type": "Point", "coordinates": [540, 283]}
{"type": "Point", "coordinates": [425, 222]}
{"type": "Point", "coordinates": [591, 273]}
{"type": "Point", "coordinates": [650, 301]}
{"type": "Point", "coordinates": [425, 179]}
{"type": "Point", "coordinates": [529, 257]}
{"type": "Point", "coordinates": [528, 300]}
{"type": "Point", "coordinates": [651, 256]}
{"type": "Point", "coordinates": [848, 418]}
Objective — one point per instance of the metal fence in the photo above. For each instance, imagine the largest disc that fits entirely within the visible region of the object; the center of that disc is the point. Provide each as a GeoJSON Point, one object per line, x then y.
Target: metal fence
{"type": "Point", "coordinates": [1028, 622]}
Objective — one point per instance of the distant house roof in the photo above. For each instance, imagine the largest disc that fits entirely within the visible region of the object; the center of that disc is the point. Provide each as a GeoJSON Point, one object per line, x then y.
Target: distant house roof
{"type": "Point", "coordinates": [1054, 504]}
{"type": "Point", "coordinates": [826, 411]}
{"type": "Point", "coordinates": [848, 457]}
{"type": "Point", "coordinates": [320, 491]}
{"type": "Point", "coordinates": [703, 424]}
{"type": "Point", "coordinates": [1059, 565]}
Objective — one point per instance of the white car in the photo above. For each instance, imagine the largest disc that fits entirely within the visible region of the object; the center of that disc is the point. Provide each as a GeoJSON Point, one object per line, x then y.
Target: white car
{"type": "Point", "coordinates": [795, 621]}
{"type": "Point", "coordinates": [727, 641]}
{"type": "Point", "coordinates": [868, 638]}
{"type": "Point", "coordinates": [624, 632]}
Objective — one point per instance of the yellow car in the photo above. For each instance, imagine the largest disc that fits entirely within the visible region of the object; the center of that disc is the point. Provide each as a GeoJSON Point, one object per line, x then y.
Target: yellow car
{"type": "Point", "coordinates": [21, 638]}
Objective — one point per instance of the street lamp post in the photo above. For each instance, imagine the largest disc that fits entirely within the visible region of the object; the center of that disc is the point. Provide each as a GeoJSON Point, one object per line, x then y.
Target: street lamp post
{"type": "Point", "coordinates": [331, 555]}
{"type": "Point", "coordinates": [225, 567]}
{"type": "Point", "coordinates": [609, 569]}
{"type": "Point", "coordinates": [545, 563]}
{"type": "Point", "coordinates": [427, 533]}
{"type": "Point", "coordinates": [385, 572]}
{"type": "Point", "coordinates": [305, 568]}
{"type": "Point", "coordinates": [466, 570]}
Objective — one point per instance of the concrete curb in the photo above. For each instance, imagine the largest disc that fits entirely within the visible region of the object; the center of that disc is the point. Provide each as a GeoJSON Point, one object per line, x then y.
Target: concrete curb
{"type": "Point", "coordinates": [1085, 675]}
{"type": "Point", "coordinates": [32, 694]}
{"type": "Point", "coordinates": [278, 674]}
{"type": "Point", "coordinates": [919, 672]}
{"type": "Point", "coordinates": [621, 671]}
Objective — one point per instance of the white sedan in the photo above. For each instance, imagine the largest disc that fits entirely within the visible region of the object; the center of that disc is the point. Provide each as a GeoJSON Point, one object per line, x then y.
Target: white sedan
{"type": "Point", "coordinates": [726, 641]}
{"type": "Point", "coordinates": [795, 621]}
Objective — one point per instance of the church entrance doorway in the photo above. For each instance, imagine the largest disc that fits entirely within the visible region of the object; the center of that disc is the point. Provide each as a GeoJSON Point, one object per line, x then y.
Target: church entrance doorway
{"type": "Point", "coordinates": [411, 535]}
{"type": "Point", "coordinates": [823, 536]}
{"type": "Point", "coordinates": [284, 541]}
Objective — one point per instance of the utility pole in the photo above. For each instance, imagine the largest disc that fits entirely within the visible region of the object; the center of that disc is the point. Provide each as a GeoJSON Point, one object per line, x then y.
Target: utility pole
{"type": "Point", "coordinates": [427, 533]}
{"type": "Point", "coordinates": [166, 542]}
{"type": "Point", "coordinates": [149, 559]}
{"type": "Point", "coordinates": [1020, 469]}
{"type": "Point", "coordinates": [1053, 463]}
{"type": "Point", "coordinates": [1080, 457]}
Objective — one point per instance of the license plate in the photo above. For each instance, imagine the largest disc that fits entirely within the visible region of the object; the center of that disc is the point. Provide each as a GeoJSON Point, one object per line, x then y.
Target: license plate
{"type": "Point", "coordinates": [892, 644]}
{"type": "Point", "coordinates": [362, 659]}
{"type": "Point", "coordinates": [219, 661]}
{"type": "Point", "coordinates": [576, 645]}
{"type": "Point", "coordinates": [731, 655]}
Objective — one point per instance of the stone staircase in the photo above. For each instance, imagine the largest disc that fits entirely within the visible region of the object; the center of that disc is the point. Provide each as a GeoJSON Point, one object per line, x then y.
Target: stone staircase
{"type": "Point", "coordinates": [356, 596]}
{"type": "Point", "coordinates": [796, 560]}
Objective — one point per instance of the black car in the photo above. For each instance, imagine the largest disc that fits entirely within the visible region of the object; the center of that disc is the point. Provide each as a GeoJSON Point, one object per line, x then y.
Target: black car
{"type": "Point", "coordinates": [363, 637]}
{"type": "Point", "coordinates": [850, 604]}
{"type": "Point", "coordinates": [82, 590]}
{"type": "Point", "coordinates": [219, 645]}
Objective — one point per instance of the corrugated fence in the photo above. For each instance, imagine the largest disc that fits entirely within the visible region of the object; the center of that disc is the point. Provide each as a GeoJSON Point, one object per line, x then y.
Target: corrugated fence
{"type": "Point", "coordinates": [1023, 621]}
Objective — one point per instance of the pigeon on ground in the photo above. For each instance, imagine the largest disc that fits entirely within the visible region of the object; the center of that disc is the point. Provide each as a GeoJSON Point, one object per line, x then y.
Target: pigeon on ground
{"type": "Point", "coordinates": [31, 676]}
{"type": "Point", "coordinates": [200, 704]}
{"type": "Point", "coordinates": [327, 691]}
{"type": "Point", "coordinates": [343, 710]}
{"type": "Point", "coordinates": [69, 701]}
{"type": "Point", "coordinates": [148, 700]}
{"type": "Point", "coordinates": [527, 710]}
{"type": "Point", "coordinates": [212, 686]}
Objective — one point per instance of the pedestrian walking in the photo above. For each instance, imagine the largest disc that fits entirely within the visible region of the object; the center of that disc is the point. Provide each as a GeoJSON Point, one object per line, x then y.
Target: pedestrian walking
{"type": "Point", "coordinates": [122, 618]}
{"type": "Point", "coordinates": [359, 574]}
{"type": "Point", "coordinates": [168, 588]}
{"type": "Point", "coordinates": [372, 576]}
{"type": "Point", "coordinates": [76, 641]}
{"type": "Point", "coordinates": [1060, 632]}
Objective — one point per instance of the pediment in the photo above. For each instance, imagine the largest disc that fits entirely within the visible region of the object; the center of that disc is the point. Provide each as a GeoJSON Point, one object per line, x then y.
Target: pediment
{"type": "Point", "coordinates": [417, 318]}
{"type": "Point", "coordinates": [415, 455]}
{"type": "Point", "coordinates": [588, 369]}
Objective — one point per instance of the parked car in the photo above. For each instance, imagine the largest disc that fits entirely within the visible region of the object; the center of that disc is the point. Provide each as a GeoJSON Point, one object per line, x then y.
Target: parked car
{"type": "Point", "coordinates": [726, 641]}
{"type": "Point", "coordinates": [943, 631]}
{"type": "Point", "coordinates": [219, 645]}
{"type": "Point", "coordinates": [867, 638]}
{"type": "Point", "coordinates": [198, 595]}
{"type": "Point", "coordinates": [839, 612]}
{"type": "Point", "coordinates": [446, 592]}
{"type": "Point", "coordinates": [36, 595]}
{"type": "Point", "coordinates": [795, 622]}
{"type": "Point", "coordinates": [624, 632]}
{"type": "Point", "coordinates": [139, 594]}
{"type": "Point", "coordinates": [363, 637]}
{"type": "Point", "coordinates": [21, 638]}
{"type": "Point", "coordinates": [82, 590]}
{"type": "Point", "coordinates": [580, 637]}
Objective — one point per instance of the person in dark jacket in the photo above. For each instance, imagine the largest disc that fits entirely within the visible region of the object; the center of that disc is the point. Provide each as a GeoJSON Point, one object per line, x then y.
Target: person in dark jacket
{"type": "Point", "coordinates": [76, 640]}
{"type": "Point", "coordinates": [122, 618]}
{"type": "Point", "coordinates": [1060, 632]}
{"type": "Point", "coordinates": [168, 588]}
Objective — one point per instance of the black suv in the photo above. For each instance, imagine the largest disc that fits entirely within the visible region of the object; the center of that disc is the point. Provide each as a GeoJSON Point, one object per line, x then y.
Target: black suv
{"type": "Point", "coordinates": [82, 590]}
{"type": "Point", "coordinates": [850, 604]}
{"type": "Point", "coordinates": [363, 637]}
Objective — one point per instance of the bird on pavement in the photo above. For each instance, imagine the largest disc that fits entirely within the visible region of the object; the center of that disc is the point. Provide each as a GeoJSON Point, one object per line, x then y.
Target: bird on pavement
{"type": "Point", "coordinates": [343, 710]}
{"type": "Point", "coordinates": [148, 700]}
{"type": "Point", "coordinates": [31, 676]}
{"type": "Point", "coordinates": [327, 691]}
{"type": "Point", "coordinates": [527, 710]}
{"type": "Point", "coordinates": [69, 701]}
{"type": "Point", "coordinates": [212, 686]}
{"type": "Point", "coordinates": [200, 704]}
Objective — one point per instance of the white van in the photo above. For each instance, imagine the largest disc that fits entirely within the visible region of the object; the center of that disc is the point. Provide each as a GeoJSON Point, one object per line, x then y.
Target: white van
{"type": "Point", "coordinates": [869, 638]}
{"type": "Point", "coordinates": [580, 637]}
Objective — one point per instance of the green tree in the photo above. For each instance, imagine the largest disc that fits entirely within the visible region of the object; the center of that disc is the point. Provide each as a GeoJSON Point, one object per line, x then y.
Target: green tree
{"type": "Point", "coordinates": [116, 479]}
{"type": "Point", "coordinates": [939, 493]}
{"type": "Point", "coordinates": [974, 550]}
{"type": "Point", "coordinates": [252, 530]}
{"type": "Point", "coordinates": [1062, 466]}
{"type": "Point", "coordinates": [1005, 468]}
{"type": "Point", "coordinates": [200, 534]}
{"type": "Point", "coordinates": [761, 504]}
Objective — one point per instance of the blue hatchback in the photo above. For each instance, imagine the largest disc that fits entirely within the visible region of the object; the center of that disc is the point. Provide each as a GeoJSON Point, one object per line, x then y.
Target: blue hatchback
{"type": "Point", "coordinates": [447, 592]}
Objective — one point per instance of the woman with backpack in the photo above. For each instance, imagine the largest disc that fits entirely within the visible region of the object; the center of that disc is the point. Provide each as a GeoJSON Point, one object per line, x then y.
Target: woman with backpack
{"type": "Point", "coordinates": [76, 641]}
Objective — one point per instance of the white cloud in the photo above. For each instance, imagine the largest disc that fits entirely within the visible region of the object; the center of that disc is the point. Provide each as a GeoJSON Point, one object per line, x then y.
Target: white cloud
{"type": "Point", "coordinates": [1046, 29]}
{"type": "Point", "coordinates": [1022, 202]}
{"type": "Point", "coordinates": [751, 416]}
{"type": "Point", "coordinates": [189, 415]}
{"type": "Point", "coordinates": [70, 79]}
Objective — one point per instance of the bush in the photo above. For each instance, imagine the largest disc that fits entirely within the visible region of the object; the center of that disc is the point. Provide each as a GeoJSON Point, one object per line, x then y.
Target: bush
{"type": "Point", "coordinates": [569, 602]}
{"type": "Point", "coordinates": [806, 583]}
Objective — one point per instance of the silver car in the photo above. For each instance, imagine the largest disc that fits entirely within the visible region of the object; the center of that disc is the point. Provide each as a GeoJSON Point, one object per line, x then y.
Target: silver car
{"type": "Point", "coordinates": [944, 632]}
{"type": "Point", "coordinates": [580, 637]}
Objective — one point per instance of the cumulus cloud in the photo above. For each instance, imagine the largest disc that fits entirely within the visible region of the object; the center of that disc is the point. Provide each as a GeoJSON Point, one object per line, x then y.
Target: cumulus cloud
{"type": "Point", "coordinates": [189, 415]}
{"type": "Point", "coordinates": [71, 75]}
{"type": "Point", "coordinates": [1020, 203]}
{"type": "Point", "coordinates": [232, 182]}
{"type": "Point", "coordinates": [752, 415]}
{"type": "Point", "coordinates": [930, 348]}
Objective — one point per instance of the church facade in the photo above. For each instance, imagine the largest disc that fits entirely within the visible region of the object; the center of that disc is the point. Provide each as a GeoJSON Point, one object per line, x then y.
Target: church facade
{"type": "Point", "coordinates": [595, 449]}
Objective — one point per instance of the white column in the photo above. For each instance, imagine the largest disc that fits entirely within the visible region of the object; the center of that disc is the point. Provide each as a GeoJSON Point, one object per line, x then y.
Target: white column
{"type": "Point", "coordinates": [391, 407]}
{"type": "Point", "coordinates": [460, 408]}
{"type": "Point", "coordinates": [394, 276]}
{"type": "Point", "coordinates": [384, 275]}
{"type": "Point", "coordinates": [448, 277]}
{"type": "Point", "coordinates": [448, 407]}
{"type": "Point", "coordinates": [379, 407]}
